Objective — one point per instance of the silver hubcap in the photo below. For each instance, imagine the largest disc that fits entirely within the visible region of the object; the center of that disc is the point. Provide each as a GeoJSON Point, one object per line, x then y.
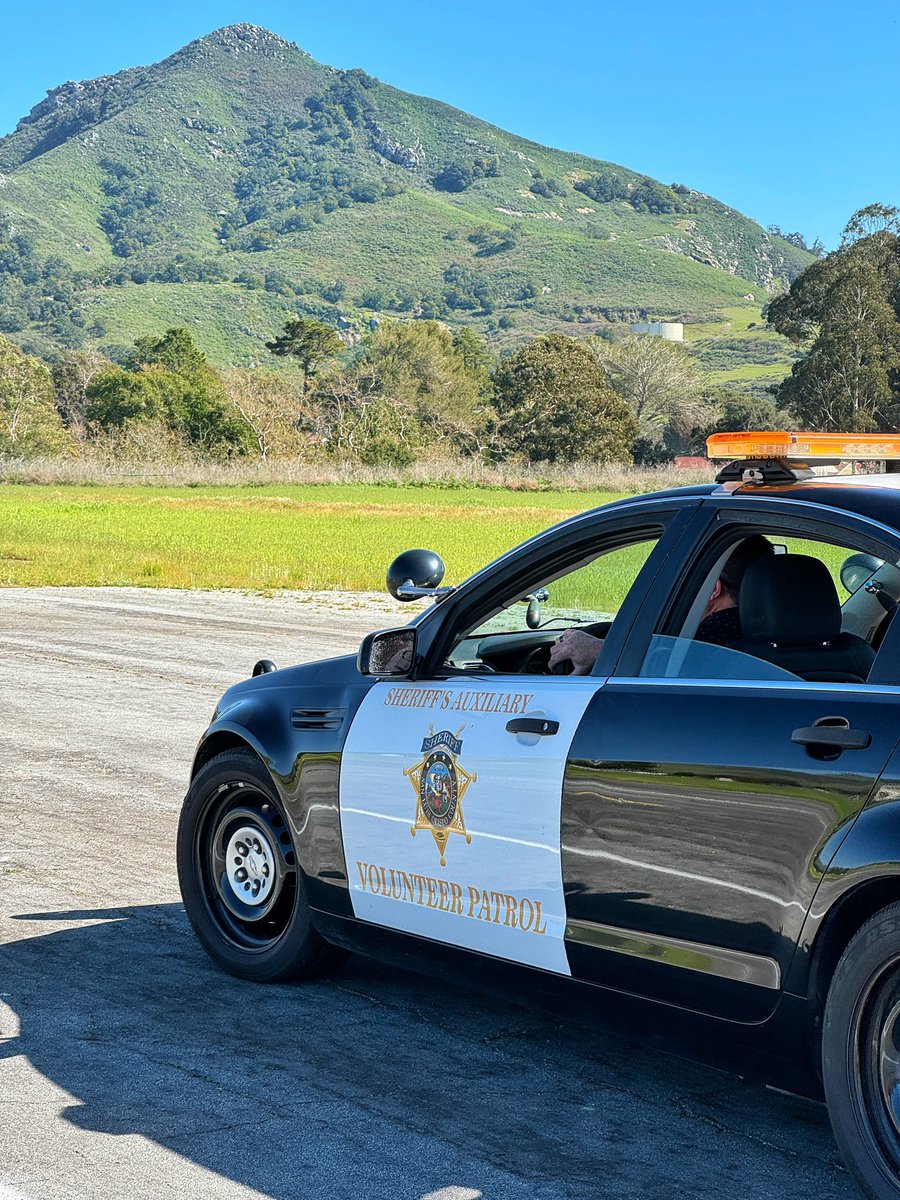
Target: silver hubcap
{"type": "Point", "coordinates": [250, 866]}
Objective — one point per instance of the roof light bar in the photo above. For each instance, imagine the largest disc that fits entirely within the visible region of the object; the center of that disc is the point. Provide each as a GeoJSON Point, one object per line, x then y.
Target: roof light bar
{"type": "Point", "coordinates": [803, 447]}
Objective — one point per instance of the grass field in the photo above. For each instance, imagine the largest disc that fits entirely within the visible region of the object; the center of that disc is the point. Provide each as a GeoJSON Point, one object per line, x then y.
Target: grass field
{"type": "Point", "coordinates": [260, 538]}
{"type": "Point", "coordinates": [312, 537]}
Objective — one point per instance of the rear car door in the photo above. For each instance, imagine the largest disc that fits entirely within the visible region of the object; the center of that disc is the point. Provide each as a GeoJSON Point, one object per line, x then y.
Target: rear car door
{"type": "Point", "coordinates": [699, 812]}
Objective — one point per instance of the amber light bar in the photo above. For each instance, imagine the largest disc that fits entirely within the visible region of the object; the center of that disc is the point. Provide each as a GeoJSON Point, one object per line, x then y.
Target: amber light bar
{"type": "Point", "coordinates": [803, 446]}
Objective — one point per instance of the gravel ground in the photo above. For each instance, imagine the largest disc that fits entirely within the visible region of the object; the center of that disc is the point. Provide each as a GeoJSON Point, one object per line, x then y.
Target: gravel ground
{"type": "Point", "coordinates": [131, 1067]}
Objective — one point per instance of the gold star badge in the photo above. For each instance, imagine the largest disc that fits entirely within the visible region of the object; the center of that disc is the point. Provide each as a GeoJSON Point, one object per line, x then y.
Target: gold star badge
{"type": "Point", "coordinates": [440, 784]}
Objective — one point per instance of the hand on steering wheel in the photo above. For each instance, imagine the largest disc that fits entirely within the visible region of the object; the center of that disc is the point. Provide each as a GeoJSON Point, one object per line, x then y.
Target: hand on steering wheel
{"type": "Point", "coordinates": [574, 653]}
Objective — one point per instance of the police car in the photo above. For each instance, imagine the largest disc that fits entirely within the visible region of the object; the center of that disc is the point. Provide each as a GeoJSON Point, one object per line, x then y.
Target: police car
{"type": "Point", "coordinates": [708, 825]}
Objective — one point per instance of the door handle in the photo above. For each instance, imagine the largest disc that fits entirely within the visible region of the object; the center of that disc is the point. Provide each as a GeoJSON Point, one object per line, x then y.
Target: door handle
{"type": "Point", "coordinates": [833, 737]}
{"type": "Point", "coordinates": [539, 725]}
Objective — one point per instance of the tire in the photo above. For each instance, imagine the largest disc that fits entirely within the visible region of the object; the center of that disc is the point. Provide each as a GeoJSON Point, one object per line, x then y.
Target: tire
{"type": "Point", "coordinates": [861, 1054]}
{"type": "Point", "coordinates": [242, 886]}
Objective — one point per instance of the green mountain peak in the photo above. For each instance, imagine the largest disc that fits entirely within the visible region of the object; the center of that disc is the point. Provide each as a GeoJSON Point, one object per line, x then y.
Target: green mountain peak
{"type": "Point", "coordinates": [239, 181]}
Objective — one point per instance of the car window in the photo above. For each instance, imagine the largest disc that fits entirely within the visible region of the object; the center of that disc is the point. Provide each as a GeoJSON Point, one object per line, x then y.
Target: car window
{"type": "Point", "coordinates": [516, 635]}
{"type": "Point", "coordinates": [762, 605]}
{"type": "Point", "coordinates": [684, 658]}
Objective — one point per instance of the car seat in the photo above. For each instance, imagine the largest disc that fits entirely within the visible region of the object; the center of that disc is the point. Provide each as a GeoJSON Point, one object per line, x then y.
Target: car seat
{"type": "Point", "coordinates": [791, 616]}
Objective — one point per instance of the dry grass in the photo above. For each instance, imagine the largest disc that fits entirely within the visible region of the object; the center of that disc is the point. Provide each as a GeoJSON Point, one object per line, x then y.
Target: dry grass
{"type": "Point", "coordinates": [99, 470]}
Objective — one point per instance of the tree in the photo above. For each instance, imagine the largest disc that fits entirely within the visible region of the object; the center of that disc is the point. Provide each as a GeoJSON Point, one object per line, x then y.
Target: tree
{"type": "Point", "coordinates": [436, 379]}
{"type": "Point", "coordinates": [735, 411]}
{"type": "Point", "coordinates": [116, 397]}
{"type": "Point", "coordinates": [272, 410]}
{"type": "Point", "coordinates": [874, 218]}
{"type": "Point", "coordinates": [197, 406]}
{"type": "Point", "coordinates": [354, 418]}
{"type": "Point", "coordinates": [659, 383]}
{"type": "Point", "coordinates": [554, 402]}
{"type": "Point", "coordinates": [651, 196]}
{"type": "Point", "coordinates": [604, 187]}
{"type": "Point", "coordinates": [169, 380]}
{"type": "Point", "coordinates": [309, 341]}
{"type": "Point", "coordinates": [815, 248]}
{"type": "Point", "coordinates": [175, 350]}
{"type": "Point", "coordinates": [455, 177]}
{"type": "Point", "coordinates": [72, 376]}
{"type": "Point", "coordinates": [29, 420]}
{"type": "Point", "coordinates": [845, 309]}
{"type": "Point", "coordinates": [471, 347]}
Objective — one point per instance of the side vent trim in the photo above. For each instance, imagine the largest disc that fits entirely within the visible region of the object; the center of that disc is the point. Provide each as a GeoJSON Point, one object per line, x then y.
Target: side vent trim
{"type": "Point", "coordinates": [318, 718]}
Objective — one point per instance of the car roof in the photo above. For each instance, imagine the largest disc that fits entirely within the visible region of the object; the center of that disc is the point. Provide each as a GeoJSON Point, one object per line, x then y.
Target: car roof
{"type": "Point", "coordinates": [874, 496]}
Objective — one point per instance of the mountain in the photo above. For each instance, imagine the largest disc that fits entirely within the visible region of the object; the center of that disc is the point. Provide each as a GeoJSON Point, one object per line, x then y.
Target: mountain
{"type": "Point", "coordinates": [239, 181]}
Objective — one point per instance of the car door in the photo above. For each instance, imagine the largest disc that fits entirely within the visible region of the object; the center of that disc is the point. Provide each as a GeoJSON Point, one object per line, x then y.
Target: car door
{"type": "Point", "coordinates": [451, 784]}
{"type": "Point", "coordinates": [699, 816]}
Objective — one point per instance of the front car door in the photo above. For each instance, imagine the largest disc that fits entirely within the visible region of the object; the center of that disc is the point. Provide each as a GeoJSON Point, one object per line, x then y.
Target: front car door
{"type": "Point", "coordinates": [697, 821]}
{"type": "Point", "coordinates": [451, 783]}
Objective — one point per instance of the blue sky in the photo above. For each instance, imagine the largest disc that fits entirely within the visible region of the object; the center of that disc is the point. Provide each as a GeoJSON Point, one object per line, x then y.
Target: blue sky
{"type": "Point", "coordinates": [786, 110]}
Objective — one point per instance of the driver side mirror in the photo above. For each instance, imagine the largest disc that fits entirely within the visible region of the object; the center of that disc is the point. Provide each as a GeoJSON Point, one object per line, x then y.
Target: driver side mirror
{"type": "Point", "coordinates": [415, 574]}
{"type": "Point", "coordinates": [388, 652]}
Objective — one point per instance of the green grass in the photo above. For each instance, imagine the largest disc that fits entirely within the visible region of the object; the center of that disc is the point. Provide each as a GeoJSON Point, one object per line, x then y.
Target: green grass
{"type": "Point", "coordinates": [739, 349]}
{"type": "Point", "coordinates": [306, 537]}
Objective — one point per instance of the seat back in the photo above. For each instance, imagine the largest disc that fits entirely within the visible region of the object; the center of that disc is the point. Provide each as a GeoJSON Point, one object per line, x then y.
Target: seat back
{"type": "Point", "coordinates": [791, 616]}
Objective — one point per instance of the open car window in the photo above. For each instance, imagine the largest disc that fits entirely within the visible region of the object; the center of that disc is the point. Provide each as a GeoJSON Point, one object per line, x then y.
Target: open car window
{"type": "Point", "coordinates": [515, 636]}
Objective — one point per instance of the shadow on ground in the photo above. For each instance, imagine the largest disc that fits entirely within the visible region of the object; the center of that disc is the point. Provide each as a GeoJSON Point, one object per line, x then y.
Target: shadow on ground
{"type": "Point", "coordinates": [379, 1084]}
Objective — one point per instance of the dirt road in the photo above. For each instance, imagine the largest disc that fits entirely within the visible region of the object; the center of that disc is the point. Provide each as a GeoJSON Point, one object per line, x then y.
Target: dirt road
{"type": "Point", "coordinates": [130, 1067]}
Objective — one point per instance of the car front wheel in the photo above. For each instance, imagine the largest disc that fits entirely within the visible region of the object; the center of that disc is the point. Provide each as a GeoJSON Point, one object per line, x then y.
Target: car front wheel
{"type": "Point", "coordinates": [240, 880]}
{"type": "Point", "coordinates": [861, 1054]}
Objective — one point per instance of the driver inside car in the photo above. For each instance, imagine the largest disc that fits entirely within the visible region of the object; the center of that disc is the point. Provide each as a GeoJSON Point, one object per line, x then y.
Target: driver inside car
{"type": "Point", "coordinates": [719, 626]}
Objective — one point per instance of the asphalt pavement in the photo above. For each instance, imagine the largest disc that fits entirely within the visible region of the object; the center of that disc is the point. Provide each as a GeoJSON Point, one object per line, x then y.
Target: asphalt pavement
{"type": "Point", "coordinates": [131, 1068]}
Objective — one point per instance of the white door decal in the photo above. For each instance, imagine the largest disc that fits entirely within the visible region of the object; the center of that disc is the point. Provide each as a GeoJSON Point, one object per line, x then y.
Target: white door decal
{"type": "Point", "coordinates": [450, 823]}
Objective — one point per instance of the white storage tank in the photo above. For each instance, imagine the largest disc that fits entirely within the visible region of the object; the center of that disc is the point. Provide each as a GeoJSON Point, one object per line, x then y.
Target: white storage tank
{"type": "Point", "coordinates": [669, 331]}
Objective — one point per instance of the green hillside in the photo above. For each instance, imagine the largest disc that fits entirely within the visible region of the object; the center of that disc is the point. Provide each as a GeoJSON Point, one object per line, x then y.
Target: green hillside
{"type": "Point", "coordinates": [240, 181]}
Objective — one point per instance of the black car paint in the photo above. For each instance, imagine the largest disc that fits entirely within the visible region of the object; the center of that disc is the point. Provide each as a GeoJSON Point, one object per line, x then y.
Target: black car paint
{"type": "Point", "coordinates": [843, 863]}
{"type": "Point", "coordinates": [304, 761]}
{"type": "Point", "coordinates": [714, 841]}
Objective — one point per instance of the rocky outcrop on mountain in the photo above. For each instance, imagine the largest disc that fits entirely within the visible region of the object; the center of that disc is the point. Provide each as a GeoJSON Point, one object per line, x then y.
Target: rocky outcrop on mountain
{"type": "Point", "coordinates": [410, 157]}
{"type": "Point", "coordinates": [243, 39]}
{"type": "Point", "coordinates": [750, 253]}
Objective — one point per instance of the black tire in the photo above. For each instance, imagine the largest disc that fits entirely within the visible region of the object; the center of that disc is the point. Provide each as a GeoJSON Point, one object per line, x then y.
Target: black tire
{"type": "Point", "coordinates": [249, 909]}
{"type": "Point", "coordinates": [861, 1054]}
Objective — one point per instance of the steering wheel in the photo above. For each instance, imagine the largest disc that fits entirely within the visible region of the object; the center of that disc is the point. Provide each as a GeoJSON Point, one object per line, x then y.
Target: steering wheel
{"type": "Point", "coordinates": [538, 663]}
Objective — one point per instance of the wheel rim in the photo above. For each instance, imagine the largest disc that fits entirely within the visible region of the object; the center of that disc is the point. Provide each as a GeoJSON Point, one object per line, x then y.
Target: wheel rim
{"type": "Point", "coordinates": [875, 1063]}
{"type": "Point", "coordinates": [246, 861]}
{"type": "Point", "coordinates": [889, 1056]}
{"type": "Point", "coordinates": [250, 866]}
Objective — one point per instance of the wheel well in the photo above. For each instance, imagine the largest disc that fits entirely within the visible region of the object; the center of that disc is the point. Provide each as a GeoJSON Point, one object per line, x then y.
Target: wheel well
{"type": "Point", "coordinates": [851, 912]}
{"type": "Point", "coordinates": [215, 744]}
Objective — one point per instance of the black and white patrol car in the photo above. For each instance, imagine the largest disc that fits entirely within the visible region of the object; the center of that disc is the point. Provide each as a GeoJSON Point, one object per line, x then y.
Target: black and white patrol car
{"type": "Point", "coordinates": [708, 826]}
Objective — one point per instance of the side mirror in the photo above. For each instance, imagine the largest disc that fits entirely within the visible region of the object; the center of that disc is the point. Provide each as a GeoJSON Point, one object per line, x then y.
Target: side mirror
{"type": "Point", "coordinates": [857, 569]}
{"type": "Point", "coordinates": [416, 573]}
{"type": "Point", "coordinates": [388, 652]}
{"type": "Point", "coordinates": [534, 602]}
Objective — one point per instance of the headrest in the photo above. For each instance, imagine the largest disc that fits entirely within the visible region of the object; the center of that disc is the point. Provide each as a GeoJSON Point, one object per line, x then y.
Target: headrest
{"type": "Point", "coordinates": [790, 599]}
